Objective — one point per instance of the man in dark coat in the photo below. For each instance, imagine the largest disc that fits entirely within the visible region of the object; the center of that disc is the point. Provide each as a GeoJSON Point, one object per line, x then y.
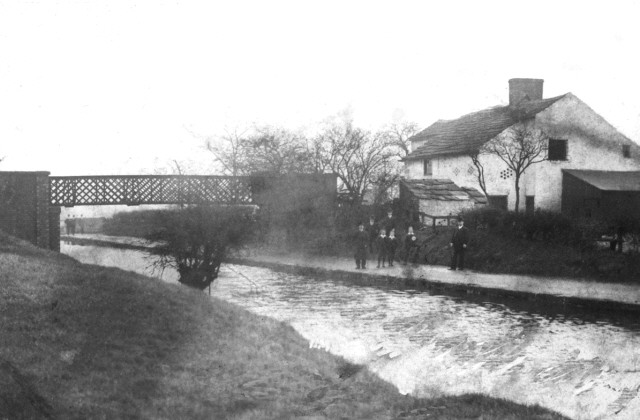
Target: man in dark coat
{"type": "Point", "coordinates": [459, 241]}
{"type": "Point", "coordinates": [373, 230]}
{"type": "Point", "coordinates": [361, 240]}
{"type": "Point", "coordinates": [389, 223]}
{"type": "Point", "coordinates": [70, 225]}
{"type": "Point", "coordinates": [381, 247]}
{"type": "Point", "coordinates": [411, 247]}
{"type": "Point", "coordinates": [392, 245]}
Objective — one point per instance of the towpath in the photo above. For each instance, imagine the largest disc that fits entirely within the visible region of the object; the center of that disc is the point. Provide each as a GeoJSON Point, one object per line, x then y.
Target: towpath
{"type": "Point", "coordinates": [429, 276]}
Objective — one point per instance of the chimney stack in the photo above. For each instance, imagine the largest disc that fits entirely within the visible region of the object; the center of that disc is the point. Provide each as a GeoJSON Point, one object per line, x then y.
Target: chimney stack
{"type": "Point", "coordinates": [519, 88]}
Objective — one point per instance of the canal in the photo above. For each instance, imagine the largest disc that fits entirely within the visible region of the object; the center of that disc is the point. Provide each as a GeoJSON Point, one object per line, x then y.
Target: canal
{"type": "Point", "coordinates": [579, 362]}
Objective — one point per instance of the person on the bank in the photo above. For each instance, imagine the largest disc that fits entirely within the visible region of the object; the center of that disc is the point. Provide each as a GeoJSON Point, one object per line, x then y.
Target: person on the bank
{"type": "Point", "coordinates": [381, 247]}
{"type": "Point", "coordinates": [389, 223]}
{"type": "Point", "coordinates": [410, 246]}
{"type": "Point", "coordinates": [459, 241]}
{"type": "Point", "coordinates": [80, 224]}
{"type": "Point", "coordinates": [361, 240]}
{"type": "Point", "coordinates": [373, 230]}
{"type": "Point", "coordinates": [392, 246]}
{"type": "Point", "coordinates": [619, 237]}
{"type": "Point", "coordinates": [70, 226]}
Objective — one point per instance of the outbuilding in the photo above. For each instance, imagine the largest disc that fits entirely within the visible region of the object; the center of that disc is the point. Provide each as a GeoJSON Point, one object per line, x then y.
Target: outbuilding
{"type": "Point", "coordinates": [600, 194]}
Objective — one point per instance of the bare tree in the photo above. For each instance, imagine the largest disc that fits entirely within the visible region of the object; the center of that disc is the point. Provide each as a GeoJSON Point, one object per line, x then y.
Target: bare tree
{"type": "Point", "coordinates": [277, 150]}
{"type": "Point", "coordinates": [520, 146]}
{"type": "Point", "coordinates": [358, 157]}
{"type": "Point", "coordinates": [228, 151]}
{"type": "Point", "coordinates": [475, 158]}
{"type": "Point", "coordinates": [398, 135]}
{"type": "Point", "coordinates": [265, 149]}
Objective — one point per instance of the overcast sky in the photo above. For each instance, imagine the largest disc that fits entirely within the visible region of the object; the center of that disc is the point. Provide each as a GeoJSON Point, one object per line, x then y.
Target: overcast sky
{"type": "Point", "coordinates": [115, 87]}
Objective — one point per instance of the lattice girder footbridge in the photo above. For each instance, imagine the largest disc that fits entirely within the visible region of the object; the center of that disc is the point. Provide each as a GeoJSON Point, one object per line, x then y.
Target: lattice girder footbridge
{"type": "Point", "coordinates": [134, 190]}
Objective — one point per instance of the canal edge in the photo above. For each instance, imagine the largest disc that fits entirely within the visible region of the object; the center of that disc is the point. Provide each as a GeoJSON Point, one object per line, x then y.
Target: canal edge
{"type": "Point", "coordinates": [368, 278]}
{"type": "Point", "coordinates": [372, 279]}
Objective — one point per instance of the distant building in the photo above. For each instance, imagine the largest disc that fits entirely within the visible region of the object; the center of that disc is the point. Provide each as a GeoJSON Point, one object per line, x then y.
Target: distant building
{"type": "Point", "coordinates": [579, 140]}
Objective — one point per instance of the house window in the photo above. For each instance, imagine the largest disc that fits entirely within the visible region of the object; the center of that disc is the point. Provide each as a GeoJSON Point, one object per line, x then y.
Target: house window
{"type": "Point", "coordinates": [557, 149]}
{"type": "Point", "coordinates": [498, 201]}
{"type": "Point", "coordinates": [427, 167]}
{"type": "Point", "coordinates": [626, 151]}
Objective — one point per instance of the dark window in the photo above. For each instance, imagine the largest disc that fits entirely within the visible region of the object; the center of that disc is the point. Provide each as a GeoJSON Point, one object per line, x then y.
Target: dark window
{"type": "Point", "coordinates": [529, 203]}
{"type": "Point", "coordinates": [498, 201]}
{"type": "Point", "coordinates": [427, 167]}
{"type": "Point", "coordinates": [626, 151]}
{"type": "Point", "coordinates": [557, 149]}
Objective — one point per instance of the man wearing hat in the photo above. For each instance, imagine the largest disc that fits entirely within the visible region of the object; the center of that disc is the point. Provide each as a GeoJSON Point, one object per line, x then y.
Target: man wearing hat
{"type": "Point", "coordinates": [389, 223]}
{"type": "Point", "coordinates": [361, 240]}
{"type": "Point", "coordinates": [372, 229]}
{"type": "Point", "coordinates": [459, 241]}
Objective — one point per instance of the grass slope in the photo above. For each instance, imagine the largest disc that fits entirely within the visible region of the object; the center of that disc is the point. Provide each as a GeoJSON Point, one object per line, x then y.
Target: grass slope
{"type": "Point", "coordinates": [81, 341]}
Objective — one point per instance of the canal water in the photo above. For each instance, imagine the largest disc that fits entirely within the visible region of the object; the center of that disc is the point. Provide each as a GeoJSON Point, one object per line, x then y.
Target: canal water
{"type": "Point", "coordinates": [581, 363]}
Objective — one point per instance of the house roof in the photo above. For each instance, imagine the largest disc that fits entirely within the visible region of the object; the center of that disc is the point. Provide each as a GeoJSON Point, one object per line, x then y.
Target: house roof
{"type": "Point", "coordinates": [469, 132]}
{"type": "Point", "coordinates": [443, 190]}
{"type": "Point", "coordinates": [609, 180]}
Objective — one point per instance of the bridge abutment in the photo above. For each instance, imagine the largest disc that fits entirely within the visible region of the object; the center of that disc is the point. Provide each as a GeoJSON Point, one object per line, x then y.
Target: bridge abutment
{"type": "Point", "coordinates": [25, 210]}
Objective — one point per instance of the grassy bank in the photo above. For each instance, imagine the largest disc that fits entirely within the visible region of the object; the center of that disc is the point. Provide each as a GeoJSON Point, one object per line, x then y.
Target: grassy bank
{"type": "Point", "coordinates": [91, 342]}
{"type": "Point", "coordinates": [494, 253]}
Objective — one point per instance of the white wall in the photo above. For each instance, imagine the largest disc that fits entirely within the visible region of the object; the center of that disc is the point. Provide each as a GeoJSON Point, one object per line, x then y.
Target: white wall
{"type": "Point", "coordinates": [592, 144]}
{"type": "Point", "coordinates": [462, 172]}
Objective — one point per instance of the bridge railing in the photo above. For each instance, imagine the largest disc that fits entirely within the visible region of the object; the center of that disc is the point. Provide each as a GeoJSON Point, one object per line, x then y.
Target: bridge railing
{"type": "Point", "coordinates": [72, 191]}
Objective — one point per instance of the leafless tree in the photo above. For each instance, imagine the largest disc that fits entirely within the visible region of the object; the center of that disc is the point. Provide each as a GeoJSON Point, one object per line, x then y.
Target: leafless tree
{"type": "Point", "coordinates": [359, 157]}
{"type": "Point", "coordinates": [277, 150]}
{"type": "Point", "coordinates": [264, 149]}
{"type": "Point", "coordinates": [520, 146]}
{"type": "Point", "coordinates": [228, 151]}
{"type": "Point", "coordinates": [475, 158]}
{"type": "Point", "coordinates": [398, 135]}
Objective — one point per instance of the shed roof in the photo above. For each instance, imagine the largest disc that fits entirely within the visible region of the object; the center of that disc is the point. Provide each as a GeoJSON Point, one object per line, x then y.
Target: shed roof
{"type": "Point", "coordinates": [443, 190]}
{"type": "Point", "coordinates": [469, 132]}
{"type": "Point", "coordinates": [609, 180]}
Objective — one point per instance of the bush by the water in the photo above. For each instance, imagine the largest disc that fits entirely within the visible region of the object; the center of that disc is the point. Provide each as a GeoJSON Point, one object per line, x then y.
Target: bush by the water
{"type": "Point", "coordinates": [196, 240]}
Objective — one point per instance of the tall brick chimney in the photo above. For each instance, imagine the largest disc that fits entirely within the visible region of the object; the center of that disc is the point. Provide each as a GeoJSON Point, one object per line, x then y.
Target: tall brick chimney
{"type": "Point", "coordinates": [519, 88]}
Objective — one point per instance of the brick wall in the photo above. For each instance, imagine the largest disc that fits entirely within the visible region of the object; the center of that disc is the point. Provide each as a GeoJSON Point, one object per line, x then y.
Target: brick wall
{"type": "Point", "coordinates": [24, 208]}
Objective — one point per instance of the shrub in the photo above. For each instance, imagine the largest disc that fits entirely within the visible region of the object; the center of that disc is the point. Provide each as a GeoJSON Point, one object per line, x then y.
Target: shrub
{"type": "Point", "coordinates": [196, 240]}
{"type": "Point", "coordinates": [484, 217]}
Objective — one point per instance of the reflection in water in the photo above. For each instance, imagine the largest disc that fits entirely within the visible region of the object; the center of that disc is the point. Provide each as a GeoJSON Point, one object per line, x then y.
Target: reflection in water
{"type": "Point", "coordinates": [582, 364]}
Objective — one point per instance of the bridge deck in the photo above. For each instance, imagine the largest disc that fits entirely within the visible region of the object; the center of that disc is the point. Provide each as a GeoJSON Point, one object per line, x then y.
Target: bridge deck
{"type": "Point", "coordinates": [72, 191]}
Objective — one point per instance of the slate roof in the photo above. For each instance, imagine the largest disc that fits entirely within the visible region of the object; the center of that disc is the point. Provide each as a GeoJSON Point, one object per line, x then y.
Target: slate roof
{"type": "Point", "coordinates": [469, 132]}
{"type": "Point", "coordinates": [609, 180]}
{"type": "Point", "coordinates": [443, 190]}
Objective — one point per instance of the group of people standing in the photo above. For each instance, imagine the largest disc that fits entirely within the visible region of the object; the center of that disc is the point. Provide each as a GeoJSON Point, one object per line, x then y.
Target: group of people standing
{"type": "Point", "coordinates": [380, 239]}
{"type": "Point", "coordinates": [73, 225]}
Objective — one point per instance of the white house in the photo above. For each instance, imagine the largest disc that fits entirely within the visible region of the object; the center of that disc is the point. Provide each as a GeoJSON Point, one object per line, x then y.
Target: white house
{"type": "Point", "coordinates": [578, 139]}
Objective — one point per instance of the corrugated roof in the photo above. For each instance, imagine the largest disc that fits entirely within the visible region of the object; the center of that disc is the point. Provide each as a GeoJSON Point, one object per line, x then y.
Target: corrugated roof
{"type": "Point", "coordinates": [469, 132]}
{"type": "Point", "coordinates": [609, 180]}
{"type": "Point", "coordinates": [443, 190]}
